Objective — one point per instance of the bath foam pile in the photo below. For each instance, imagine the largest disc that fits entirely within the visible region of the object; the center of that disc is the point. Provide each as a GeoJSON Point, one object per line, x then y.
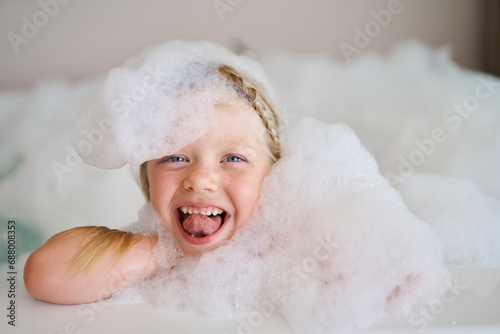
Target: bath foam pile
{"type": "Point", "coordinates": [158, 102]}
{"type": "Point", "coordinates": [467, 221]}
{"type": "Point", "coordinates": [330, 252]}
{"type": "Point", "coordinates": [396, 104]}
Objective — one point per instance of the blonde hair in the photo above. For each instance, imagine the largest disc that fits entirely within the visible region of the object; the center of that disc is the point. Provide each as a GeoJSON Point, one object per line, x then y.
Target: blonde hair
{"type": "Point", "coordinates": [258, 102]}
{"type": "Point", "coordinates": [98, 240]}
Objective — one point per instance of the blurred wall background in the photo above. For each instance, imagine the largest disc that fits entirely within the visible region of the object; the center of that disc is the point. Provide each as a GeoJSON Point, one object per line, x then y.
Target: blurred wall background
{"type": "Point", "coordinates": [76, 39]}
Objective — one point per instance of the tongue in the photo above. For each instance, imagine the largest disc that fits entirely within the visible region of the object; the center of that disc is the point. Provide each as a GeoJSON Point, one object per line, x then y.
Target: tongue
{"type": "Point", "coordinates": [200, 225]}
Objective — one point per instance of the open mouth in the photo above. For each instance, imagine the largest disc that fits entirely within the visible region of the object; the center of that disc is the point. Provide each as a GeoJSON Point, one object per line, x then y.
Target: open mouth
{"type": "Point", "coordinates": [201, 222]}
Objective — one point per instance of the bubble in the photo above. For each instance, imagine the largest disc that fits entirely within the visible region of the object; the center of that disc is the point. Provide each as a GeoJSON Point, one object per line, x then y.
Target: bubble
{"type": "Point", "coordinates": [335, 251]}
{"type": "Point", "coordinates": [466, 220]}
{"type": "Point", "coordinates": [331, 245]}
{"type": "Point", "coordinates": [158, 102]}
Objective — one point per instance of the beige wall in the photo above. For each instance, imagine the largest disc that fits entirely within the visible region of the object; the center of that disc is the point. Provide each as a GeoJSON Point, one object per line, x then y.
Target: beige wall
{"type": "Point", "coordinates": [86, 37]}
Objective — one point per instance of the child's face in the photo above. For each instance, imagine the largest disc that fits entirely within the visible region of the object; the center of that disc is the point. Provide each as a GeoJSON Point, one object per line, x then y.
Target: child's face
{"type": "Point", "coordinates": [220, 173]}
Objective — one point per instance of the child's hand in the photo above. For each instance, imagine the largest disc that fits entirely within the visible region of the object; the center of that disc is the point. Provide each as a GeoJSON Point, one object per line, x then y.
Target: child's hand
{"type": "Point", "coordinates": [53, 273]}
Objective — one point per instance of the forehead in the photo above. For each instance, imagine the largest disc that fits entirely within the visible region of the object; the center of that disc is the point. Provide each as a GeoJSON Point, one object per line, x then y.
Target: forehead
{"type": "Point", "coordinates": [236, 123]}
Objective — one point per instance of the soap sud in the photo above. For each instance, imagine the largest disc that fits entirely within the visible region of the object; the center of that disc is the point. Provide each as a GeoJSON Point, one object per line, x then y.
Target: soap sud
{"type": "Point", "coordinates": [334, 246]}
{"type": "Point", "coordinates": [467, 221]}
{"type": "Point", "coordinates": [391, 101]}
{"type": "Point", "coordinates": [158, 102]}
{"type": "Point", "coordinates": [394, 100]}
{"type": "Point", "coordinates": [327, 195]}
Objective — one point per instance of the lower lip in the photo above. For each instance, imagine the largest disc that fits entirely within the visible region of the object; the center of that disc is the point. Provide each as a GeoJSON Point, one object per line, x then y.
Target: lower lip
{"type": "Point", "coordinates": [200, 241]}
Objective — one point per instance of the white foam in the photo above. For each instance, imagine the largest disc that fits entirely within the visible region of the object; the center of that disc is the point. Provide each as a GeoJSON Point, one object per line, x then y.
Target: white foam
{"type": "Point", "coordinates": [158, 102]}
{"type": "Point", "coordinates": [334, 246]}
{"type": "Point", "coordinates": [467, 221]}
{"type": "Point", "coordinates": [392, 101]}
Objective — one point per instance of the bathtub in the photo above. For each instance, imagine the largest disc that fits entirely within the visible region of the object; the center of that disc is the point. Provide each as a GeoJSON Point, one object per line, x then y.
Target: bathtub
{"type": "Point", "coordinates": [471, 306]}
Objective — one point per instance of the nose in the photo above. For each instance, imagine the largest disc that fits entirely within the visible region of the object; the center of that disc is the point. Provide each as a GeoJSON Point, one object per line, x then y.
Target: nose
{"type": "Point", "coordinates": [201, 178]}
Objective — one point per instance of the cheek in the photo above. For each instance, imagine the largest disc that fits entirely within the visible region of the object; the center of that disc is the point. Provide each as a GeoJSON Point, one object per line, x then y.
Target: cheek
{"type": "Point", "coordinates": [248, 193]}
{"type": "Point", "coordinates": [159, 189]}
{"type": "Point", "coordinates": [161, 197]}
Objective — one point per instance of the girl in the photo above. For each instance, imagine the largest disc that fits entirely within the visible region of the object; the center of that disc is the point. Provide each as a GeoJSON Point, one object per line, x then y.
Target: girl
{"type": "Point", "coordinates": [232, 228]}
{"type": "Point", "coordinates": [203, 184]}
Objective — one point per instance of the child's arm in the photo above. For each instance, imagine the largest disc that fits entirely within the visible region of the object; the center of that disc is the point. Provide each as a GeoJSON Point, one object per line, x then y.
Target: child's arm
{"type": "Point", "coordinates": [52, 273]}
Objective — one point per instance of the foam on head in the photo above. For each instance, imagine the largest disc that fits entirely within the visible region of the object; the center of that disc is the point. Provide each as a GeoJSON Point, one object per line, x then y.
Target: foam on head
{"type": "Point", "coordinates": [330, 246]}
{"type": "Point", "coordinates": [158, 102]}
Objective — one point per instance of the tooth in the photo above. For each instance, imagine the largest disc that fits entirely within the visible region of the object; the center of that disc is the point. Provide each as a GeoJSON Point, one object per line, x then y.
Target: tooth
{"type": "Point", "coordinates": [210, 211]}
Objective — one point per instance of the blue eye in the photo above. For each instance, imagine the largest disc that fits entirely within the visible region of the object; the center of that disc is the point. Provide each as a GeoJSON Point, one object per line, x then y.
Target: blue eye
{"type": "Point", "coordinates": [174, 158]}
{"type": "Point", "coordinates": [233, 158]}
